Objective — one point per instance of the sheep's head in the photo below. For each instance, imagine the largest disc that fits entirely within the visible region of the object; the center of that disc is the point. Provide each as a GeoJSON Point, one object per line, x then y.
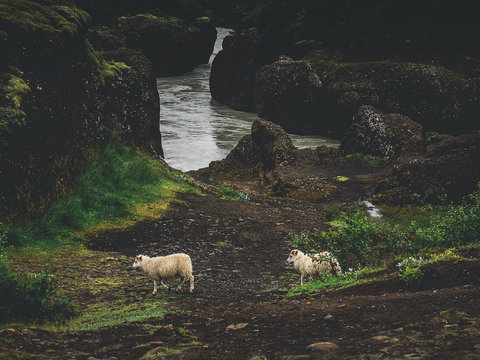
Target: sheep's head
{"type": "Point", "coordinates": [138, 261]}
{"type": "Point", "coordinates": [293, 255]}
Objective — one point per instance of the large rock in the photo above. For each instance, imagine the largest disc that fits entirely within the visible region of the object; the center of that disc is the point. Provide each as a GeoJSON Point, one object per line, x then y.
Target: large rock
{"type": "Point", "coordinates": [233, 72]}
{"type": "Point", "coordinates": [173, 46]}
{"type": "Point", "coordinates": [452, 167]}
{"type": "Point", "coordinates": [268, 145]}
{"type": "Point", "coordinates": [59, 105]}
{"type": "Point", "coordinates": [385, 135]}
{"type": "Point", "coordinates": [286, 82]}
{"type": "Point", "coordinates": [439, 99]}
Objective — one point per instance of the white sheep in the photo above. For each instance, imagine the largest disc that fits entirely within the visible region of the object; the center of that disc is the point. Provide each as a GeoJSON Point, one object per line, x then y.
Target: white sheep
{"type": "Point", "coordinates": [166, 267]}
{"type": "Point", "coordinates": [324, 263]}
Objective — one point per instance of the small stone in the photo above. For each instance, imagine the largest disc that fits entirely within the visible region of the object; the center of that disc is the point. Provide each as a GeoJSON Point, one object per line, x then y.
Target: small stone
{"type": "Point", "coordinates": [385, 350]}
{"type": "Point", "coordinates": [323, 346]}
{"type": "Point", "coordinates": [237, 326]}
{"type": "Point", "coordinates": [398, 329]}
{"type": "Point", "coordinates": [380, 337]}
{"type": "Point", "coordinates": [328, 317]}
{"type": "Point", "coordinates": [155, 350]}
{"type": "Point", "coordinates": [411, 356]}
{"type": "Point", "coordinates": [341, 306]}
{"type": "Point", "coordinates": [29, 332]}
{"type": "Point", "coordinates": [451, 326]}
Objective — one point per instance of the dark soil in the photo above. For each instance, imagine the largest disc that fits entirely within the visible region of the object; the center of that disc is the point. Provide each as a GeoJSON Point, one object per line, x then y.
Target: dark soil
{"type": "Point", "coordinates": [239, 310]}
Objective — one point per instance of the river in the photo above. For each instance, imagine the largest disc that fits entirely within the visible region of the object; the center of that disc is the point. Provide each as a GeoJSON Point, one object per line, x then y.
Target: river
{"type": "Point", "coordinates": [197, 129]}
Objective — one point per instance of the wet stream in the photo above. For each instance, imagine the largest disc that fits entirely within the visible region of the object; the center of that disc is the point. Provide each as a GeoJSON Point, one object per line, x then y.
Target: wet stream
{"type": "Point", "coordinates": [197, 129]}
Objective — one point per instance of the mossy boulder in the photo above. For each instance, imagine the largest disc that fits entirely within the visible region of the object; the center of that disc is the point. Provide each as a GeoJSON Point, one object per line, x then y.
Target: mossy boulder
{"type": "Point", "coordinates": [386, 135]}
{"type": "Point", "coordinates": [286, 82]}
{"type": "Point", "coordinates": [173, 46]}
{"type": "Point", "coordinates": [438, 99]}
{"type": "Point", "coordinates": [30, 28]}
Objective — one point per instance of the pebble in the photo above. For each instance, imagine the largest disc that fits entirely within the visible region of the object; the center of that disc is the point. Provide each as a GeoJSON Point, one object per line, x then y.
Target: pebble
{"type": "Point", "coordinates": [328, 317]}
{"type": "Point", "coordinates": [323, 346]}
{"type": "Point", "coordinates": [380, 337]}
{"type": "Point", "coordinates": [237, 326]}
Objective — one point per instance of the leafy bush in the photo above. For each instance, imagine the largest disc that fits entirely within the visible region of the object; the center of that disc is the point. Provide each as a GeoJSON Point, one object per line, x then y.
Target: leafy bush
{"type": "Point", "coordinates": [355, 241]}
{"type": "Point", "coordinates": [232, 194]}
{"type": "Point", "coordinates": [409, 270]}
{"type": "Point", "coordinates": [29, 297]}
{"type": "Point", "coordinates": [360, 240]}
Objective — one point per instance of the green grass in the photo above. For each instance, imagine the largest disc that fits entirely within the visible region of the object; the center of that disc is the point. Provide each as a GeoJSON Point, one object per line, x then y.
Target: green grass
{"type": "Point", "coordinates": [349, 278]}
{"type": "Point", "coordinates": [120, 186]}
{"type": "Point", "coordinates": [101, 315]}
{"type": "Point", "coordinates": [404, 242]}
{"type": "Point", "coordinates": [232, 194]}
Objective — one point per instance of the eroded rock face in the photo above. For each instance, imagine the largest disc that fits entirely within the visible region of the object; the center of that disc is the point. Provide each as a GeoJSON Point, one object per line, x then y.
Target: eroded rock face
{"type": "Point", "coordinates": [385, 135]}
{"type": "Point", "coordinates": [59, 104]}
{"type": "Point", "coordinates": [173, 46]}
{"type": "Point", "coordinates": [438, 99]}
{"type": "Point", "coordinates": [286, 82]}
{"type": "Point", "coordinates": [232, 77]}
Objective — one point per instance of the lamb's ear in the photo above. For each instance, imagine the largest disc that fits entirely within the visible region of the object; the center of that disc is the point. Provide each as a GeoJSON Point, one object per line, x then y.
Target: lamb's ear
{"type": "Point", "coordinates": [295, 252]}
{"type": "Point", "coordinates": [139, 257]}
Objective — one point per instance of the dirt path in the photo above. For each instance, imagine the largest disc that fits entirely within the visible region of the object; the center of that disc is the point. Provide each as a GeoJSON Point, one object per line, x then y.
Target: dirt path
{"type": "Point", "coordinates": [239, 309]}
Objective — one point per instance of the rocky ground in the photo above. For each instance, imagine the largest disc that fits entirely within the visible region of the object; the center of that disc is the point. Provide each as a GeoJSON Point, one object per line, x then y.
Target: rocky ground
{"type": "Point", "coordinates": [239, 309]}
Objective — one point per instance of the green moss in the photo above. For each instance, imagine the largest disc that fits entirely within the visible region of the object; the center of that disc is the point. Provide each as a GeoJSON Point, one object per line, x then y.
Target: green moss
{"type": "Point", "coordinates": [203, 19]}
{"type": "Point", "coordinates": [169, 19]}
{"type": "Point", "coordinates": [30, 17]}
{"type": "Point", "coordinates": [13, 88]}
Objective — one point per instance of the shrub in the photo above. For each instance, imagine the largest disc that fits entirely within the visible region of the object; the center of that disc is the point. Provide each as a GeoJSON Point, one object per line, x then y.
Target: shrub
{"type": "Point", "coordinates": [29, 297]}
{"type": "Point", "coordinates": [359, 240]}
{"type": "Point", "coordinates": [409, 270]}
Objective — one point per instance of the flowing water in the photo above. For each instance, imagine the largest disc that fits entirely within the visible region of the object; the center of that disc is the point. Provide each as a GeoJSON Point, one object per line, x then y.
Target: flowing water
{"type": "Point", "coordinates": [197, 129]}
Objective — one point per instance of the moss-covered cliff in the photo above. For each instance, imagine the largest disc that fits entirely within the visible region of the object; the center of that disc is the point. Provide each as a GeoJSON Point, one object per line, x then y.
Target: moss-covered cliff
{"type": "Point", "coordinates": [59, 101]}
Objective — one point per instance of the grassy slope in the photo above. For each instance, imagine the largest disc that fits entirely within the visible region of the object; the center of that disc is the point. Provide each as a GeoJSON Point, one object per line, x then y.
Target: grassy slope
{"type": "Point", "coordinates": [119, 188]}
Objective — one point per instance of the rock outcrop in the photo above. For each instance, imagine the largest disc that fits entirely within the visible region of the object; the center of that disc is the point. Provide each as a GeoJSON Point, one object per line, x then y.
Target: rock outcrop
{"type": "Point", "coordinates": [268, 145]}
{"type": "Point", "coordinates": [173, 46]}
{"type": "Point", "coordinates": [451, 167]}
{"type": "Point", "coordinates": [385, 135]}
{"type": "Point", "coordinates": [233, 72]}
{"type": "Point", "coordinates": [438, 99]}
{"type": "Point", "coordinates": [59, 103]}
{"type": "Point", "coordinates": [287, 82]}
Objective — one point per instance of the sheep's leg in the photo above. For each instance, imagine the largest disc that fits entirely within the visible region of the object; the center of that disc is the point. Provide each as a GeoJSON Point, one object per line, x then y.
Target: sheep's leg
{"type": "Point", "coordinates": [154, 287]}
{"type": "Point", "coordinates": [179, 287]}
{"type": "Point", "coordinates": [165, 286]}
{"type": "Point", "coordinates": [191, 283]}
{"type": "Point", "coordinates": [301, 280]}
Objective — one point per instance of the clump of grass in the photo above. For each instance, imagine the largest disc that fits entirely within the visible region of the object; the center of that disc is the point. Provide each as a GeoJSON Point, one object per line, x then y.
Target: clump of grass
{"type": "Point", "coordinates": [100, 315]}
{"type": "Point", "coordinates": [27, 297]}
{"type": "Point", "coordinates": [369, 159]}
{"type": "Point", "coordinates": [232, 194]}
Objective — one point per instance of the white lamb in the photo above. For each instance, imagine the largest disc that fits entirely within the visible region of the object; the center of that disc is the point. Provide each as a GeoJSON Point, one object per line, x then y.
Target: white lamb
{"type": "Point", "coordinates": [324, 263]}
{"type": "Point", "coordinates": [166, 267]}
